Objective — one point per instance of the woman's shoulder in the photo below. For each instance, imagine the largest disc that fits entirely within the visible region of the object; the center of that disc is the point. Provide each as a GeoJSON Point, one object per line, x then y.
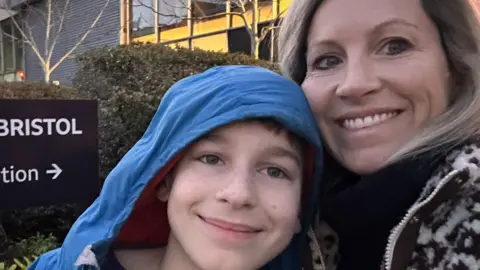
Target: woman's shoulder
{"type": "Point", "coordinates": [454, 189]}
{"type": "Point", "coordinates": [466, 155]}
{"type": "Point", "coordinates": [461, 164]}
{"type": "Point", "coordinates": [452, 201]}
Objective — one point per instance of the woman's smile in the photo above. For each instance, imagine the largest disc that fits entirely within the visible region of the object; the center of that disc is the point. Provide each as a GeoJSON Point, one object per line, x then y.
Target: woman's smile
{"type": "Point", "coordinates": [371, 120]}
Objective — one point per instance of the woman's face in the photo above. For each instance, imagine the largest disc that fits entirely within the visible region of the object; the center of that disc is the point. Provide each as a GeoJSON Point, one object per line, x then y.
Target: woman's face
{"type": "Point", "coordinates": [376, 73]}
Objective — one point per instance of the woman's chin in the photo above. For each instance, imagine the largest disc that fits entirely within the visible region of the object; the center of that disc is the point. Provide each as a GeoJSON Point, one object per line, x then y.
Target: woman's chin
{"type": "Point", "coordinates": [365, 161]}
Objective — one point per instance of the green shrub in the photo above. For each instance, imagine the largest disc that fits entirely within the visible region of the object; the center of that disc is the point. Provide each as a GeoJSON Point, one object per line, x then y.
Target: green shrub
{"type": "Point", "coordinates": [55, 220]}
{"type": "Point", "coordinates": [17, 264]}
{"type": "Point", "coordinates": [35, 90]}
{"type": "Point", "coordinates": [129, 82]}
{"type": "Point", "coordinates": [34, 245]}
{"type": "Point", "coordinates": [22, 253]}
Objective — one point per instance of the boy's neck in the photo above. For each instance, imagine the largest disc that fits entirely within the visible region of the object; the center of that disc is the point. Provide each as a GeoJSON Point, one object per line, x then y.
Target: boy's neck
{"type": "Point", "coordinates": [137, 258]}
{"type": "Point", "coordinates": [175, 257]}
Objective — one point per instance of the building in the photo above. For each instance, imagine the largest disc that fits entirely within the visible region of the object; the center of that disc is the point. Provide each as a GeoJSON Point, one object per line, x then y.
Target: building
{"type": "Point", "coordinates": [19, 62]}
{"type": "Point", "coordinates": [205, 24]}
{"type": "Point", "coordinates": [218, 25]}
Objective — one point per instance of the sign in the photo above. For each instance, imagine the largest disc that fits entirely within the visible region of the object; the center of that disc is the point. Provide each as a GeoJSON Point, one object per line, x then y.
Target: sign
{"type": "Point", "coordinates": [48, 152]}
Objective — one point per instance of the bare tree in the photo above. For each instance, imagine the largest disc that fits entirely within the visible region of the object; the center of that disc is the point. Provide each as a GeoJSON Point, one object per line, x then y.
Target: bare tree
{"type": "Point", "coordinates": [54, 24]}
{"type": "Point", "coordinates": [239, 8]}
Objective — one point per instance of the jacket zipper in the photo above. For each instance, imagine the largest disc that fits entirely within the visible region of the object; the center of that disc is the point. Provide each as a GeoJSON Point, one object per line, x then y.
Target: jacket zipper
{"type": "Point", "coordinates": [393, 238]}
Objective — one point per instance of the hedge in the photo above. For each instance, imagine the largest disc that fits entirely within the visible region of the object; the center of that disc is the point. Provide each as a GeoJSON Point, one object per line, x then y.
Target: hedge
{"type": "Point", "coordinates": [129, 82]}
{"type": "Point", "coordinates": [35, 90]}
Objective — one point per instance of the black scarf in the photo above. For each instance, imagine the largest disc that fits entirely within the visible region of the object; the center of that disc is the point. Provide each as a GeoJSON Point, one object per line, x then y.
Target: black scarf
{"type": "Point", "coordinates": [363, 210]}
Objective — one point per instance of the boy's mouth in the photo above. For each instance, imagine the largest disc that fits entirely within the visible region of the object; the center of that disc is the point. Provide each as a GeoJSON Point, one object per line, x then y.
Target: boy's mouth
{"type": "Point", "coordinates": [230, 226]}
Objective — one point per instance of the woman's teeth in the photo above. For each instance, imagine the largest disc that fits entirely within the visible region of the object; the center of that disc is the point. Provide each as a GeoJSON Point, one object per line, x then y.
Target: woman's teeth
{"type": "Point", "coordinates": [358, 123]}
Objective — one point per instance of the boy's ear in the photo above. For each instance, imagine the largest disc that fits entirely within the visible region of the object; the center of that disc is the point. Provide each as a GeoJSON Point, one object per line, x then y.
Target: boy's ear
{"type": "Point", "coordinates": [163, 191]}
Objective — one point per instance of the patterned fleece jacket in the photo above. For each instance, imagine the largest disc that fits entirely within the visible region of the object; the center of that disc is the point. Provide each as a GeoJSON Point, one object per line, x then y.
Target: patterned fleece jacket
{"type": "Point", "coordinates": [440, 231]}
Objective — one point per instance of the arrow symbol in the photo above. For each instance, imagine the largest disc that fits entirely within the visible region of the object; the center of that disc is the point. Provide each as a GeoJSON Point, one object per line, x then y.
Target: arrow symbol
{"type": "Point", "coordinates": [56, 171]}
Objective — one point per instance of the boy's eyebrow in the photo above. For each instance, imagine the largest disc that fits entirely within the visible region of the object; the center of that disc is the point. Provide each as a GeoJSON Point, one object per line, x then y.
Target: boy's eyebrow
{"type": "Point", "coordinates": [214, 137]}
{"type": "Point", "coordinates": [283, 152]}
{"type": "Point", "coordinates": [273, 150]}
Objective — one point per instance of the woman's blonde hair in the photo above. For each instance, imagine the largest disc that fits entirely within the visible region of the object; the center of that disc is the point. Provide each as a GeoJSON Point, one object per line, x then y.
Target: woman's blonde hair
{"type": "Point", "coordinates": [457, 24]}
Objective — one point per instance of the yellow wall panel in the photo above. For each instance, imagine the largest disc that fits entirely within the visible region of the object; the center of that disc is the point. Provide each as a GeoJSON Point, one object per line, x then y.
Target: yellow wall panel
{"type": "Point", "coordinates": [283, 5]}
{"type": "Point", "coordinates": [180, 44]}
{"type": "Point", "coordinates": [145, 39]}
{"type": "Point", "coordinates": [265, 14]}
{"type": "Point", "coordinates": [166, 35]}
{"type": "Point", "coordinates": [208, 26]}
{"type": "Point", "coordinates": [218, 43]}
{"type": "Point", "coordinates": [174, 33]}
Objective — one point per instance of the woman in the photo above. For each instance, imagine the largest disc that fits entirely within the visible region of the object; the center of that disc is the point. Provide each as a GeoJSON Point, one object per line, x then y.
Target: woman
{"type": "Point", "coordinates": [394, 88]}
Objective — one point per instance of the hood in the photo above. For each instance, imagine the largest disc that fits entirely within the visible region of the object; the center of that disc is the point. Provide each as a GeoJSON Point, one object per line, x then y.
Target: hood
{"type": "Point", "coordinates": [127, 210]}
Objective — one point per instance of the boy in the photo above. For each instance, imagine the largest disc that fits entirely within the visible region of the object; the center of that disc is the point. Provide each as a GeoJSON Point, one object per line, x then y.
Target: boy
{"type": "Point", "coordinates": [217, 182]}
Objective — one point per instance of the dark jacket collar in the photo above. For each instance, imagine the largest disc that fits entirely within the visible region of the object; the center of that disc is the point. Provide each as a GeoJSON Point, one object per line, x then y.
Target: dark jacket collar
{"type": "Point", "coordinates": [362, 210]}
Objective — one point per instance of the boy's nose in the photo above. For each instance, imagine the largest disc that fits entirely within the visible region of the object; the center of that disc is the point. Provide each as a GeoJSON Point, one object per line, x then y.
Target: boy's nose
{"type": "Point", "coordinates": [239, 191]}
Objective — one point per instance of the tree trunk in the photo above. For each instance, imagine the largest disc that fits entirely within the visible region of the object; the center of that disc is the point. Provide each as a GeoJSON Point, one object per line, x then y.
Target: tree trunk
{"type": "Point", "coordinates": [47, 76]}
{"type": "Point", "coordinates": [256, 49]}
{"type": "Point", "coordinates": [254, 38]}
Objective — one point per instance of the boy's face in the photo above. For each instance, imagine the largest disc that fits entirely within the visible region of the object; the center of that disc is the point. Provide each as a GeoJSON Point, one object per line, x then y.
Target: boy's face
{"type": "Point", "coordinates": [234, 199]}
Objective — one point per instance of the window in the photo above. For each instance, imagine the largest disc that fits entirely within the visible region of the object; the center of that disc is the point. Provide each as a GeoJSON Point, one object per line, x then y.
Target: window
{"type": "Point", "coordinates": [7, 46]}
{"type": "Point", "coordinates": [172, 12]}
{"type": "Point", "coordinates": [11, 52]}
{"type": "Point", "coordinates": [143, 21]}
{"type": "Point", "coordinates": [4, 3]}
{"type": "Point", "coordinates": [248, 3]}
{"type": "Point", "coordinates": [167, 20]}
{"type": "Point", "coordinates": [239, 42]}
{"type": "Point", "coordinates": [203, 8]}
{"type": "Point", "coordinates": [147, 13]}
{"type": "Point", "coordinates": [18, 49]}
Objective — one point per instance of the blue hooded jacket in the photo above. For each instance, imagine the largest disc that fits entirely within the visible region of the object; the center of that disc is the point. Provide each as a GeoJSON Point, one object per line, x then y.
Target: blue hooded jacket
{"type": "Point", "coordinates": [125, 209]}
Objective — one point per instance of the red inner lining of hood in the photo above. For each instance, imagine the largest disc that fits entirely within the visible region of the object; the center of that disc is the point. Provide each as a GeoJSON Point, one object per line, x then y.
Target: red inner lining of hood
{"type": "Point", "coordinates": [148, 222]}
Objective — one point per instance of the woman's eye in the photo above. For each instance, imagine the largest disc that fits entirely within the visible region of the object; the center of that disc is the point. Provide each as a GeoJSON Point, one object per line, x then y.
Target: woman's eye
{"type": "Point", "coordinates": [397, 46]}
{"type": "Point", "coordinates": [275, 172]}
{"type": "Point", "coordinates": [327, 62]}
{"type": "Point", "coordinates": [210, 159]}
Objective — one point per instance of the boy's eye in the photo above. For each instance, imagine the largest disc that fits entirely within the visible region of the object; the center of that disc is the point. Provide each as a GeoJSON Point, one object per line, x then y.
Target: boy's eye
{"type": "Point", "coordinates": [210, 159]}
{"type": "Point", "coordinates": [275, 172]}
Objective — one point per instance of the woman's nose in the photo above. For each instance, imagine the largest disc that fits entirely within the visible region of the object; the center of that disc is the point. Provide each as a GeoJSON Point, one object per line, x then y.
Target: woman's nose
{"type": "Point", "coordinates": [239, 191]}
{"type": "Point", "coordinates": [360, 79]}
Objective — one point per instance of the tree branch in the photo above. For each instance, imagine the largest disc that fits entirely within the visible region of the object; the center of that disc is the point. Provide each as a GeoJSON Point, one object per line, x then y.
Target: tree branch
{"type": "Point", "coordinates": [27, 39]}
{"type": "Point", "coordinates": [59, 29]}
{"type": "Point", "coordinates": [271, 27]}
{"type": "Point", "coordinates": [242, 6]}
{"type": "Point", "coordinates": [48, 27]}
{"type": "Point", "coordinates": [82, 38]}
{"type": "Point", "coordinates": [152, 9]}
